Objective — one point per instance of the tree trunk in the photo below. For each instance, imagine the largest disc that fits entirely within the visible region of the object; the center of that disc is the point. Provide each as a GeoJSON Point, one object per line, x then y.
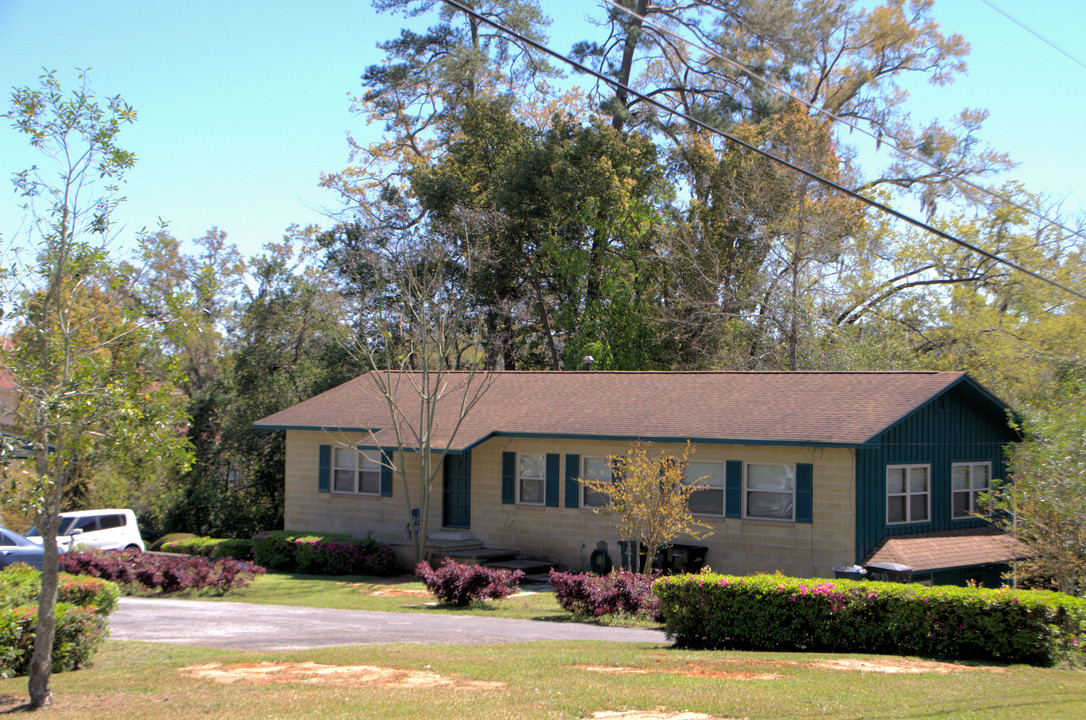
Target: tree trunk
{"type": "Point", "coordinates": [41, 658]}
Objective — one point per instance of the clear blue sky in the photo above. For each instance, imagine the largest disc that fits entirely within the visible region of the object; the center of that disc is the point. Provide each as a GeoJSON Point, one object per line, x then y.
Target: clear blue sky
{"type": "Point", "coordinates": [242, 103]}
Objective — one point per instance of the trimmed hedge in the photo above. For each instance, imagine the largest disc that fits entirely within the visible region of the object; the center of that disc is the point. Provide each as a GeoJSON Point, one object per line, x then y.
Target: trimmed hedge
{"type": "Point", "coordinates": [210, 547]}
{"type": "Point", "coordinates": [773, 612]}
{"type": "Point", "coordinates": [323, 554]}
{"type": "Point", "coordinates": [83, 608]}
{"type": "Point", "coordinates": [143, 573]}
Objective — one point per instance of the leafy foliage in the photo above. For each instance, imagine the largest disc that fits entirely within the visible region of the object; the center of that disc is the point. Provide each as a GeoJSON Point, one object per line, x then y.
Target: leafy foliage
{"type": "Point", "coordinates": [210, 547]}
{"type": "Point", "coordinates": [83, 607]}
{"type": "Point", "coordinates": [323, 553]}
{"type": "Point", "coordinates": [160, 574]}
{"type": "Point", "coordinates": [1043, 502]}
{"type": "Point", "coordinates": [773, 612]}
{"type": "Point", "coordinates": [460, 584]}
{"type": "Point", "coordinates": [648, 499]}
{"type": "Point", "coordinates": [591, 595]}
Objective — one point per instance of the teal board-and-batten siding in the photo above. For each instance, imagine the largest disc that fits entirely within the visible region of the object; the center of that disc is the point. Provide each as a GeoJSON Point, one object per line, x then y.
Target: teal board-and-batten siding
{"type": "Point", "coordinates": [963, 424]}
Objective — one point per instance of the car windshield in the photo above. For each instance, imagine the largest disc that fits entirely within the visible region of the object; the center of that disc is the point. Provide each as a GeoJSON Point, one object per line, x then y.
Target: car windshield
{"type": "Point", "coordinates": [66, 527]}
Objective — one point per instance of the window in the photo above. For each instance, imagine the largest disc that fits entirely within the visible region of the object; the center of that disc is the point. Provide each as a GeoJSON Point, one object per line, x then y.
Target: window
{"type": "Point", "coordinates": [353, 472]}
{"type": "Point", "coordinates": [110, 521]}
{"type": "Point", "coordinates": [531, 479]}
{"type": "Point", "coordinates": [594, 469]}
{"type": "Point", "coordinates": [771, 491]}
{"type": "Point", "coordinates": [908, 493]}
{"type": "Point", "coordinates": [87, 523]}
{"type": "Point", "coordinates": [709, 501]}
{"type": "Point", "coordinates": [968, 481]}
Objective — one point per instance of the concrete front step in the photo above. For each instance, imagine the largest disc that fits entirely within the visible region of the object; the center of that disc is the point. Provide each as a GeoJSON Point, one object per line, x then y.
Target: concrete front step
{"type": "Point", "coordinates": [473, 555]}
{"type": "Point", "coordinates": [530, 567]}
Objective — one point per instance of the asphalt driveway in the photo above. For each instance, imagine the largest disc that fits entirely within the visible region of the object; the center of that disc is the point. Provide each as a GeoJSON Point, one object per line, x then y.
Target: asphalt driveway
{"type": "Point", "coordinates": [244, 626]}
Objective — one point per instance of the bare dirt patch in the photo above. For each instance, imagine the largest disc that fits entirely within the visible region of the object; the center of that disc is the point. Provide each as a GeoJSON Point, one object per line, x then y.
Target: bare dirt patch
{"type": "Point", "coordinates": [650, 715]}
{"type": "Point", "coordinates": [895, 666]}
{"type": "Point", "coordinates": [888, 665]}
{"type": "Point", "coordinates": [384, 588]}
{"type": "Point", "coordinates": [689, 671]}
{"type": "Point", "coordinates": [310, 673]}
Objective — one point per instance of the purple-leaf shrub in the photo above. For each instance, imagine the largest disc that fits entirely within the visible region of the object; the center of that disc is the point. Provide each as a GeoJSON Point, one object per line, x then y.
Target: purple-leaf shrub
{"type": "Point", "coordinates": [162, 574]}
{"type": "Point", "coordinates": [457, 584]}
{"type": "Point", "coordinates": [591, 595]}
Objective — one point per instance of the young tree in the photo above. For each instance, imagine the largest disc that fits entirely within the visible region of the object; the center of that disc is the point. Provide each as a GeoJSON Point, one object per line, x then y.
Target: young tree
{"type": "Point", "coordinates": [1044, 499]}
{"type": "Point", "coordinates": [82, 358]}
{"type": "Point", "coordinates": [422, 343]}
{"type": "Point", "coordinates": [648, 499]}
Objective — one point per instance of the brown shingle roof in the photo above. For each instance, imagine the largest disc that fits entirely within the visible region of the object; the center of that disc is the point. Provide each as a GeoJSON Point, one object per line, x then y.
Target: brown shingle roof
{"type": "Point", "coordinates": [949, 549]}
{"type": "Point", "coordinates": [761, 407]}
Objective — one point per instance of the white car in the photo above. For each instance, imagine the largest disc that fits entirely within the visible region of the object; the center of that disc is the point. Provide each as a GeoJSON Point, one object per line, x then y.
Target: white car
{"type": "Point", "coordinates": [113, 529]}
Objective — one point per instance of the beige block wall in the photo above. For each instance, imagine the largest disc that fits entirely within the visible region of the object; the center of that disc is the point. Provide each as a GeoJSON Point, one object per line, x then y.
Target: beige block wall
{"type": "Point", "coordinates": [359, 515]}
{"type": "Point", "coordinates": [565, 535]}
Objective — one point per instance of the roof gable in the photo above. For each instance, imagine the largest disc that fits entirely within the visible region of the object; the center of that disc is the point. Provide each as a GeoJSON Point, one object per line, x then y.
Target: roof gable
{"type": "Point", "coordinates": [805, 408]}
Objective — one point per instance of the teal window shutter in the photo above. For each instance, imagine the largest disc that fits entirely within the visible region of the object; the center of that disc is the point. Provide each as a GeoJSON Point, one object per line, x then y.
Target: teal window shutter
{"type": "Point", "coordinates": [573, 488]}
{"type": "Point", "coordinates": [552, 480]}
{"type": "Point", "coordinates": [733, 489]}
{"type": "Point", "coordinates": [509, 478]}
{"type": "Point", "coordinates": [324, 468]}
{"type": "Point", "coordinates": [804, 491]}
{"type": "Point", "coordinates": [386, 474]}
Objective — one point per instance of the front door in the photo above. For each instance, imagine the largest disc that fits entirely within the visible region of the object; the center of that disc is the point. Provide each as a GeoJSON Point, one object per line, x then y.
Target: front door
{"type": "Point", "coordinates": [456, 495]}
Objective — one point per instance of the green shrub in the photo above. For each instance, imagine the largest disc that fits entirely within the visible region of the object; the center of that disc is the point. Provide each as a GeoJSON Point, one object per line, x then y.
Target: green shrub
{"type": "Point", "coordinates": [172, 537]}
{"type": "Point", "coordinates": [772, 612]}
{"type": "Point", "coordinates": [322, 553]}
{"type": "Point", "coordinates": [83, 608]}
{"type": "Point", "coordinates": [20, 585]}
{"type": "Point", "coordinates": [237, 549]}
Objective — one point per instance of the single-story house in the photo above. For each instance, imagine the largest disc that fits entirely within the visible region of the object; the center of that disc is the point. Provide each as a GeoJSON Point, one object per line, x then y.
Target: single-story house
{"type": "Point", "coordinates": [807, 471]}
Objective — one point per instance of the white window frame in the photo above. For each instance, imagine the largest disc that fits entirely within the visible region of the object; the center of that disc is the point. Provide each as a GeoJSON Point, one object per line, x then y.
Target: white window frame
{"type": "Point", "coordinates": [362, 470]}
{"type": "Point", "coordinates": [542, 479]}
{"type": "Point", "coordinates": [747, 490]}
{"type": "Point", "coordinates": [719, 468]}
{"type": "Point", "coordinates": [908, 494]}
{"type": "Point", "coordinates": [971, 490]}
{"type": "Point", "coordinates": [585, 492]}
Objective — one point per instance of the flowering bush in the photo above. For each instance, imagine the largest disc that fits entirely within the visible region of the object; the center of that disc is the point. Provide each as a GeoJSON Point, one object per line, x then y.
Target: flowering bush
{"type": "Point", "coordinates": [456, 584]}
{"type": "Point", "coordinates": [323, 554]}
{"type": "Point", "coordinates": [162, 574]}
{"type": "Point", "coordinates": [588, 594]}
{"type": "Point", "coordinates": [773, 612]}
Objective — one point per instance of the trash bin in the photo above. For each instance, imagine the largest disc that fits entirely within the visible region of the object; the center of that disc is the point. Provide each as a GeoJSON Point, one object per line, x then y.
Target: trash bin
{"type": "Point", "coordinates": [853, 572]}
{"type": "Point", "coordinates": [686, 558]}
{"type": "Point", "coordinates": [625, 550]}
{"type": "Point", "coordinates": [889, 572]}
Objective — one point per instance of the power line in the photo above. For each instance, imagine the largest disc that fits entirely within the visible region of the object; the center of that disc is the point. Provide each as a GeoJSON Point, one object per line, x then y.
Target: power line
{"type": "Point", "coordinates": [1033, 32]}
{"type": "Point", "coordinates": [807, 173]}
{"type": "Point", "coordinates": [878, 138]}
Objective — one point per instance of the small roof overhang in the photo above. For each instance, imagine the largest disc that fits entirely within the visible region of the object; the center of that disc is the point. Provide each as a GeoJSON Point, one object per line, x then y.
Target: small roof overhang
{"type": "Point", "coordinates": [949, 549]}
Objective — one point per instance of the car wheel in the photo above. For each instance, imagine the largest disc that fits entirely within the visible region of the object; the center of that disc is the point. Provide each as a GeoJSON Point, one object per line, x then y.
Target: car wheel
{"type": "Point", "coordinates": [133, 547]}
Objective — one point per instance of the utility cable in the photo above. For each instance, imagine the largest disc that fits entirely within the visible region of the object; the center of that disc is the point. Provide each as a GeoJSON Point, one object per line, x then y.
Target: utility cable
{"type": "Point", "coordinates": [878, 138]}
{"type": "Point", "coordinates": [1033, 32]}
{"type": "Point", "coordinates": [806, 173]}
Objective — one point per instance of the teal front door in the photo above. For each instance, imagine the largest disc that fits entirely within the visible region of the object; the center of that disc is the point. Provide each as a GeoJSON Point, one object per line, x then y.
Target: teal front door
{"type": "Point", "coordinates": [456, 496]}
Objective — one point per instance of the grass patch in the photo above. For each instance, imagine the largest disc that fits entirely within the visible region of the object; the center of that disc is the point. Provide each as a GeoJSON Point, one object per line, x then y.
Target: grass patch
{"type": "Point", "coordinates": [397, 594]}
{"type": "Point", "coordinates": [539, 681]}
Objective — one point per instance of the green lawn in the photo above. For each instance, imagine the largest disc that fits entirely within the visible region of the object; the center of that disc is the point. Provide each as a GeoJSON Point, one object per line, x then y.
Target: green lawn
{"type": "Point", "coordinates": [533, 681]}
{"type": "Point", "coordinates": [540, 680]}
{"type": "Point", "coordinates": [398, 594]}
